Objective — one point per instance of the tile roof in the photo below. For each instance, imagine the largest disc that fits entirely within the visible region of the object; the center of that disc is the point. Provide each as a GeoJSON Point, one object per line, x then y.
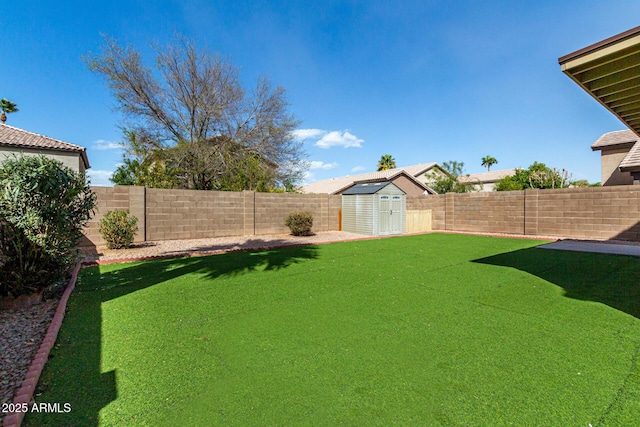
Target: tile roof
{"type": "Point", "coordinates": [617, 138]}
{"type": "Point", "coordinates": [491, 176]}
{"type": "Point", "coordinates": [631, 161]}
{"type": "Point", "coordinates": [335, 185]}
{"type": "Point", "coordinates": [20, 138]}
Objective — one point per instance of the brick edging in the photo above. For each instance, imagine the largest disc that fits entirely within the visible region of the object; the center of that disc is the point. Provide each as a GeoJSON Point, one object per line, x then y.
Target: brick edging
{"type": "Point", "coordinates": [24, 395]}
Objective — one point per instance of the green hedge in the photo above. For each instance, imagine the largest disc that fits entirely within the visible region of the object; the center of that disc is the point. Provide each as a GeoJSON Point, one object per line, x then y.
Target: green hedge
{"type": "Point", "coordinates": [44, 206]}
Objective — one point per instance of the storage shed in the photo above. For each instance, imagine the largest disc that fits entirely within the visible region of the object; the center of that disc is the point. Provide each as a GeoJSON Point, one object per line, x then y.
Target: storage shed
{"type": "Point", "coordinates": [375, 208]}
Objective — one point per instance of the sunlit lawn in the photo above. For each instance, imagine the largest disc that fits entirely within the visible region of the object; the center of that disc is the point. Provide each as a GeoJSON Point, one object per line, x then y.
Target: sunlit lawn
{"type": "Point", "coordinates": [422, 330]}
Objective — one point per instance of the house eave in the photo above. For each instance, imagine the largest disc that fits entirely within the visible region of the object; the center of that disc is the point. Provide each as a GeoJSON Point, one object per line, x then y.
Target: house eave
{"type": "Point", "coordinates": [613, 146]}
{"type": "Point", "coordinates": [608, 71]}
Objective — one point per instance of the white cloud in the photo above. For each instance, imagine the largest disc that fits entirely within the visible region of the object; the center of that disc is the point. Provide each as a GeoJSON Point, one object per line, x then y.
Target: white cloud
{"type": "Point", "coordinates": [100, 178]}
{"type": "Point", "coordinates": [339, 139]}
{"type": "Point", "coordinates": [103, 144]}
{"type": "Point", "coordinates": [328, 139]}
{"type": "Point", "coordinates": [322, 165]}
{"type": "Point", "coordinates": [358, 169]}
{"type": "Point", "coordinates": [308, 178]}
{"type": "Point", "coordinates": [302, 134]}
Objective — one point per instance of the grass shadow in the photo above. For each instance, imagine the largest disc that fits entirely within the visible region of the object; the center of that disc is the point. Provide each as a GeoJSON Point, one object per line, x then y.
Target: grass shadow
{"type": "Point", "coordinates": [73, 374]}
{"type": "Point", "coordinates": [607, 279]}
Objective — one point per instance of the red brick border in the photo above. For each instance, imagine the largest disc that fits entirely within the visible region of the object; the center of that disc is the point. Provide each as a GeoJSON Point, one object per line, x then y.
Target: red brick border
{"type": "Point", "coordinates": [24, 395]}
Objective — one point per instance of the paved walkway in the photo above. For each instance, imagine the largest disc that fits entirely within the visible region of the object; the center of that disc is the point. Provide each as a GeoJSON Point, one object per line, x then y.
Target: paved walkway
{"type": "Point", "coordinates": [597, 247]}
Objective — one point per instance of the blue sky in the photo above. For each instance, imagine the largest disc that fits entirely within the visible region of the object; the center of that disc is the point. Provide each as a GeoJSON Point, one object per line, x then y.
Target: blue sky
{"type": "Point", "coordinates": [421, 80]}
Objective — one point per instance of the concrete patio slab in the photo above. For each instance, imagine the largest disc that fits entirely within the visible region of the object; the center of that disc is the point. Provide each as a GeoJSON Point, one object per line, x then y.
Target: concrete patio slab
{"type": "Point", "coordinates": [596, 247]}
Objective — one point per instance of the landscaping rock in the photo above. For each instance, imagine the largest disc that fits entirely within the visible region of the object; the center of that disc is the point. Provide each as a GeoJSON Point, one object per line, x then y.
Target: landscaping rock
{"type": "Point", "coordinates": [21, 333]}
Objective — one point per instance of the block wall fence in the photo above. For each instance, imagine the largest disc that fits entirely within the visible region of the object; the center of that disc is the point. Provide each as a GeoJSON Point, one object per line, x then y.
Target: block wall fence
{"type": "Point", "coordinates": [586, 213]}
{"type": "Point", "coordinates": [192, 214]}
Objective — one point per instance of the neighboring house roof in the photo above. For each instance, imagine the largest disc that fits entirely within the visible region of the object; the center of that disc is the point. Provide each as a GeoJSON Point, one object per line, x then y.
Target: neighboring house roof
{"type": "Point", "coordinates": [420, 168]}
{"type": "Point", "coordinates": [336, 185]}
{"type": "Point", "coordinates": [621, 139]}
{"type": "Point", "coordinates": [19, 138]}
{"type": "Point", "coordinates": [366, 188]}
{"type": "Point", "coordinates": [631, 161]}
{"type": "Point", "coordinates": [487, 177]}
{"type": "Point", "coordinates": [617, 139]}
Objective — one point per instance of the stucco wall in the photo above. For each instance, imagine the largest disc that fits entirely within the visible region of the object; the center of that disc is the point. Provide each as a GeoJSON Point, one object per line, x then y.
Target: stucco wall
{"type": "Point", "coordinates": [611, 175]}
{"type": "Point", "coordinates": [408, 186]}
{"type": "Point", "coordinates": [70, 159]}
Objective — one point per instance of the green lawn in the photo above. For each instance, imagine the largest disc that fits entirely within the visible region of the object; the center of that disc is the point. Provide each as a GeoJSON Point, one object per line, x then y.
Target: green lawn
{"type": "Point", "coordinates": [430, 330]}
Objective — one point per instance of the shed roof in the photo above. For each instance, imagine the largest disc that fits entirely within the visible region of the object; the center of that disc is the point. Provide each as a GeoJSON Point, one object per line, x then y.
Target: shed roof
{"type": "Point", "coordinates": [15, 137]}
{"type": "Point", "coordinates": [366, 188]}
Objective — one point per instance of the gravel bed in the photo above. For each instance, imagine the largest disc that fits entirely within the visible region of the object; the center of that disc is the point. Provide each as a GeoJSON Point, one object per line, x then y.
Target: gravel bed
{"type": "Point", "coordinates": [21, 333]}
{"type": "Point", "coordinates": [183, 247]}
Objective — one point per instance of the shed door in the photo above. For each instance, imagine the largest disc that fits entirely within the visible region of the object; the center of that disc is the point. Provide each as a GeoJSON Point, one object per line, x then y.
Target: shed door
{"type": "Point", "coordinates": [395, 215]}
{"type": "Point", "coordinates": [384, 215]}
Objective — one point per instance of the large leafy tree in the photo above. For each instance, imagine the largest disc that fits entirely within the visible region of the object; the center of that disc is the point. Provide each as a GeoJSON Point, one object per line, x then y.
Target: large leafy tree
{"type": "Point", "coordinates": [386, 162]}
{"type": "Point", "coordinates": [449, 182]}
{"type": "Point", "coordinates": [192, 119]}
{"type": "Point", "coordinates": [489, 161]}
{"type": "Point", "coordinates": [537, 175]}
{"type": "Point", "coordinates": [7, 107]}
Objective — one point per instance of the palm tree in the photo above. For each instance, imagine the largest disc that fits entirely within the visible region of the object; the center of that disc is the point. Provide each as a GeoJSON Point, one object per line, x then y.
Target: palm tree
{"type": "Point", "coordinates": [488, 161]}
{"type": "Point", "coordinates": [7, 107]}
{"type": "Point", "coordinates": [386, 162]}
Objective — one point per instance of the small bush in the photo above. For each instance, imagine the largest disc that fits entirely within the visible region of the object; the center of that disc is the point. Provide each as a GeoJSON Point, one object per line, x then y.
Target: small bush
{"type": "Point", "coordinates": [300, 223]}
{"type": "Point", "coordinates": [44, 206]}
{"type": "Point", "coordinates": [118, 229]}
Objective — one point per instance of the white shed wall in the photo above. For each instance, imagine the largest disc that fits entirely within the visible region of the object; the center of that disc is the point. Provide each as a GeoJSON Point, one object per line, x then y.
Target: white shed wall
{"type": "Point", "coordinates": [360, 212]}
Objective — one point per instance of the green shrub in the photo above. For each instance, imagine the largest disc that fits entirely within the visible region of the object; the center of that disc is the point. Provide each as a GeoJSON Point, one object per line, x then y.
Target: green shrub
{"type": "Point", "coordinates": [44, 206]}
{"type": "Point", "coordinates": [300, 223]}
{"type": "Point", "coordinates": [118, 229]}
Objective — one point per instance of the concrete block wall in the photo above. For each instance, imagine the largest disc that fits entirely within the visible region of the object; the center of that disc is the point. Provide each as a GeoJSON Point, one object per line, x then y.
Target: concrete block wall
{"type": "Point", "coordinates": [591, 213]}
{"type": "Point", "coordinates": [586, 213]}
{"type": "Point", "coordinates": [594, 213]}
{"type": "Point", "coordinates": [495, 212]}
{"type": "Point", "coordinates": [190, 214]}
{"type": "Point", "coordinates": [193, 214]}
{"type": "Point", "coordinates": [116, 198]}
{"type": "Point", "coordinates": [272, 209]}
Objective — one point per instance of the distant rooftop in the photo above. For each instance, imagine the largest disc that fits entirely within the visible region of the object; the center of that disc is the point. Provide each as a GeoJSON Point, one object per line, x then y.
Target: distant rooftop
{"type": "Point", "coordinates": [486, 177]}
{"type": "Point", "coordinates": [335, 185]}
{"type": "Point", "coordinates": [20, 138]}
